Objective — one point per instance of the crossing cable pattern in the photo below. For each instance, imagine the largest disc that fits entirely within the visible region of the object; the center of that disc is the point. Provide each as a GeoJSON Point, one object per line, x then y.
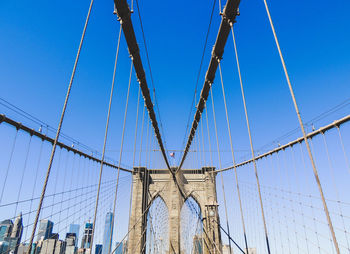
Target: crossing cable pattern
{"type": "Point", "coordinates": [330, 224]}
{"type": "Point", "coordinates": [106, 136]}
{"type": "Point", "coordinates": [38, 134]}
{"type": "Point", "coordinates": [124, 14]}
{"type": "Point", "coordinates": [233, 160]}
{"type": "Point", "coordinates": [336, 124]}
{"type": "Point", "coordinates": [120, 156]}
{"type": "Point", "coordinates": [228, 17]}
{"type": "Point", "coordinates": [251, 143]}
{"type": "Point", "coordinates": [220, 165]}
{"type": "Point", "coordinates": [59, 128]}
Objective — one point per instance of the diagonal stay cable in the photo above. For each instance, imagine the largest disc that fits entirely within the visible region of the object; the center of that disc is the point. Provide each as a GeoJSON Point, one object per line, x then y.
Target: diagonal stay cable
{"type": "Point", "coordinates": [59, 129]}
{"type": "Point", "coordinates": [150, 71]}
{"type": "Point", "coordinates": [296, 107]}
{"type": "Point", "coordinates": [106, 136]}
{"type": "Point", "coordinates": [199, 71]}
{"type": "Point", "coordinates": [123, 12]}
{"type": "Point", "coordinates": [228, 17]}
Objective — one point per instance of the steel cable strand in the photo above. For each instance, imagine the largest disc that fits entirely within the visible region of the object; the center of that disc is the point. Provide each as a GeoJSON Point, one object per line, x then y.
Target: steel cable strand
{"type": "Point", "coordinates": [56, 178]}
{"type": "Point", "coordinates": [142, 126]}
{"type": "Point", "coordinates": [24, 168]}
{"type": "Point", "coordinates": [331, 168]}
{"type": "Point", "coordinates": [106, 134]}
{"type": "Point", "coordinates": [199, 72]}
{"type": "Point", "coordinates": [151, 75]}
{"type": "Point", "coordinates": [251, 141]}
{"type": "Point", "coordinates": [290, 199]}
{"type": "Point", "coordinates": [233, 159]}
{"type": "Point", "coordinates": [9, 165]}
{"type": "Point", "coordinates": [120, 155]}
{"type": "Point", "coordinates": [330, 224]}
{"type": "Point", "coordinates": [221, 174]}
{"type": "Point", "coordinates": [299, 199]}
{"type": "Point", "coordinates": [343, 148]}
{"type": "Point", "coordinates": [59, 128]}
{"type": "Point", "coordinates": [35, 180]}
{"type": "Point", "coordinates": [134, 152]}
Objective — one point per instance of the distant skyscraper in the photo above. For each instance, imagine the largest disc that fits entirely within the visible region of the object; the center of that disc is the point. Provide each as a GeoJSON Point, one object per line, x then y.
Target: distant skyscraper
{"type": "Point", "coordinates": [4, 247]}
{"type": "Point", "coordinates": [74, 228]}
{"type": "Point", "coordinates": [71, 243]}
{"type": "Point", "coordinates": [45, 230]}
{"type": "Point", "coordinates": [17, 227]}
{"type": "Point", "coordinates": [48, 246]}
{"type": "Point", "coordinates": [86, 241]}
{"type": "Point", "coordinates": [11, 234]}
{"type": "Point", "coordinates": [5, 229]}
{"type": "Point", "coordinates": [108, 233]}
{"type": "Point", "coordinates": [98, 248]}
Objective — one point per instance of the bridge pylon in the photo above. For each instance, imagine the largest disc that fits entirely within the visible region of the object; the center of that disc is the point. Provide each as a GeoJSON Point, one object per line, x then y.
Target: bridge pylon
{"type": "Point", "coordinates": [199, 184]}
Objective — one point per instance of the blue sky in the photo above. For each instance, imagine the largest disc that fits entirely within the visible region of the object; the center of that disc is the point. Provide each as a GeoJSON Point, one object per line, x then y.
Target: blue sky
{"type": "Point", "coordinates": [39, 41]}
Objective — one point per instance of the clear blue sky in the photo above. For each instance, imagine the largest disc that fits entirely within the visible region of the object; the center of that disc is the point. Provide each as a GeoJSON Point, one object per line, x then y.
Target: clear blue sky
{"type": "Point", "coordinates": [39, 40]}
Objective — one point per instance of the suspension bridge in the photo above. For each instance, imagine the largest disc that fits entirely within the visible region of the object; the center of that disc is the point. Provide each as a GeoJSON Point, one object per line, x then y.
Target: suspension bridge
{"type": "Point", "coordinates": [60, 196]}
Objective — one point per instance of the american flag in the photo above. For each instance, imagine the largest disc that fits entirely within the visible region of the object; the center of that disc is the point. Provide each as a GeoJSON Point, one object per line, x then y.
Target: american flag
{"type": "Point", "coordinates": [172, 155]}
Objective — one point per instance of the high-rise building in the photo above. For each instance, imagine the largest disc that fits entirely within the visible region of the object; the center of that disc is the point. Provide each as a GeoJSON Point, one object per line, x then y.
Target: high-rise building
{"type": "Point", "coordinates": [17, 227]}
{"type": "Point", "coordinates": [4, 247]}
{"type": "Point", "coordinates": [74, 228]}
{"type": "Point", "coordinates": [48, 246]}
{"type": "Point", "coordinates": [98, 248]}
{"type": "Point", "coordinates": [11, 234]}
{"type": "Point", "coordinates": [86, 241]}
{"type": "Point", "coordinates": [71, 243]}
{"type": "Point", "coordinates": [60, 247]}
{"type": "Point", "coordinates": [45, 230]}
{"type": "Point", "coordinates": [5, 229]}
{"type": "Point", "coordinates": [108, 233]}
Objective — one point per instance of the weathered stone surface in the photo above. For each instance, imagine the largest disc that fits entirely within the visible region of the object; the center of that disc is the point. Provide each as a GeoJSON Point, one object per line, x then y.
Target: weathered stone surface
{"type": "Point", "coordinates": [198, 184]}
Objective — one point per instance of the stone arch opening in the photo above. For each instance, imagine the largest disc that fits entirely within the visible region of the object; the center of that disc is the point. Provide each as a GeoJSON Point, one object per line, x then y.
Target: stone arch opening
{"type": "Point", "coordinates": [191, 227]}
{"type": "Point", "coordinates": [157, 231]}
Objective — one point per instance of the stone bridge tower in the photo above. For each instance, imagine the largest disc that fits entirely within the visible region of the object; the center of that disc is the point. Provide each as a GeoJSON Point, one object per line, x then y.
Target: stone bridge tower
{"type": "Point", "coordinates": [200, 184]}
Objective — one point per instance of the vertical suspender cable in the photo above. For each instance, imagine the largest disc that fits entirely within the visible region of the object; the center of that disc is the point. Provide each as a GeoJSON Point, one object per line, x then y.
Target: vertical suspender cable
{"type": "Point", "coordinates": [9, 165]}
{"type": "Point", "coordinates": [24, 169]}
{"type": "Point", "coordinates": [142, 124]}
{"type": "Point", "coordinates": [233, 160]}
{"type": "Point", "coordinates": [203, 146]}
{"type": "Point", "coordinates": [134, 153]}
{"type": "Point", "coordinates": [325, 207]}
{"type": "Point", "coordinates": [120, 158]}
{"type": "Point", "coordinates": [209, 142]}
{"type": "Point", "coordinates": [105, 137]}
{"type": "Point", "coordinates": [59, 130]}
{"type": "Point", "coordinates": [221, 174]}
{"type": "Point", "coordinates": [251, 141]}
